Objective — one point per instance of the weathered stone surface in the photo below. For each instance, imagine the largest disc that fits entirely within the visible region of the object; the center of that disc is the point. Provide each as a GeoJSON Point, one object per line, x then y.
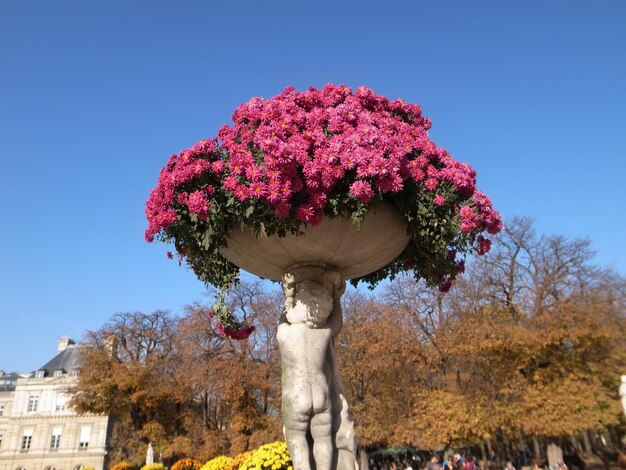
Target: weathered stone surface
{"type": "Point", "coordinates": [334, 242]}
{"type": "Point", "coordinates": [313, 267]}
{"type": "Point", "coordinates": [318, 426]}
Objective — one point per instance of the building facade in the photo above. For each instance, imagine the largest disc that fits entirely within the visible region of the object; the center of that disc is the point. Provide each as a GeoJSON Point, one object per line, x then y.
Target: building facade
{"type": "Point", "coordinates": [38, 430]}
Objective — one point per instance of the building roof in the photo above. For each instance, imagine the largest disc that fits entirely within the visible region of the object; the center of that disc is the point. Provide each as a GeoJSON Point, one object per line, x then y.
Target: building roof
{"type": "Point", "coordinates": [66, 360]}
{"type": "Point", "coordinates": [8, 381]}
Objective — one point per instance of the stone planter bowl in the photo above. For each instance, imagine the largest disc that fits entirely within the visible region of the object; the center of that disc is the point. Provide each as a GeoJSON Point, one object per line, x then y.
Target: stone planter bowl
{"type": "Point", "coordinates": [334, 243]}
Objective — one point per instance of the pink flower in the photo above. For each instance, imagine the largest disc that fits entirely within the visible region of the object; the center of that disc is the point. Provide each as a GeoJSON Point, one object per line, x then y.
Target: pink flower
{"type": "Point", "coordinates": [362, 190]}
{"type": "Point", "coordinates": [421, 161]}
{"type": "Point", "coordinates": [282, 210]}
{"type": "Point", "coordinates": [257, 189]}
{"type": "Point", "coordinates": [231, 183]}
{"type": "Point", "coordinates": [309, 214]}
{"type": "Point", "coordinates": [254, 172]}
{"type": "Point", "coordinates": [241, 192]}
{"type": "Point", "coordinates": [417, 174]}
{"type": "Point", "coordinates": [431, 184]}
{"type": "Point", "coordinates": [218, 167]}
{"type": "Point", "coordinates": [198, 204]}
{"type": "Point", "coordinates": [445, 285]}
{"type": "Point", "coordinates": [460, 266]}
{"type": "Point", "coordinates": [170, 255]}
{"type": "Point", "coordinates": [484, 245]}
{"type": "Point", "coordinates": [182, 198]}
{"type": "Point", "coordinates": [439, 200]}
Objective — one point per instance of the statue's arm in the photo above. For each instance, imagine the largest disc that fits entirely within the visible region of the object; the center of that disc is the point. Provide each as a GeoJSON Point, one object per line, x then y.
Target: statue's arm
{"type": "Point", "coordinates": [335, 319]}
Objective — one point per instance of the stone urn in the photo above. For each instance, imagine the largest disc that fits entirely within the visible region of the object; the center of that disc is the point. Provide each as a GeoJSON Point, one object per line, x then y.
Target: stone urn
{"type": "Point", "coordinates": [313, 266]}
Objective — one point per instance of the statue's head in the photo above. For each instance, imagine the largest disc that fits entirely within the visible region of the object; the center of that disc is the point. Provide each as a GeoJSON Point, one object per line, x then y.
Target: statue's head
{"type": "Point", "coordinates": [312, 304]}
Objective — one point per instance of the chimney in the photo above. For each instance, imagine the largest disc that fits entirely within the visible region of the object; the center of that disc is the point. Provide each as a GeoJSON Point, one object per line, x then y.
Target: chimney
{"type": "Point", "coordinates": [111, 343]}
{"type": "Point", "coordinates": [64, 343]}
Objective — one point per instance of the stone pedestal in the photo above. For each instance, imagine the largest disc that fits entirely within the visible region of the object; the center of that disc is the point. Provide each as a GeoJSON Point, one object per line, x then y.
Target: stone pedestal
{"type": "Point", "coordinates": [313, 267]}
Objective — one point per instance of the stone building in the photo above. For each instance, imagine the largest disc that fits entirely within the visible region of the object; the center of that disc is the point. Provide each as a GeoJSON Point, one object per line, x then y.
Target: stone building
{"type": "Point", "coordinates": [38, 430]}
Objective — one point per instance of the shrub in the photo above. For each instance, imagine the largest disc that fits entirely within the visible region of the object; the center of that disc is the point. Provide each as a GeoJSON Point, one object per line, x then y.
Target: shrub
{"type": "Point", "coordinates": [218, 463]}
{"type": "Point", "coordinates": [272, 456]}
{"type": "Point", "coordinates": [187, 464]}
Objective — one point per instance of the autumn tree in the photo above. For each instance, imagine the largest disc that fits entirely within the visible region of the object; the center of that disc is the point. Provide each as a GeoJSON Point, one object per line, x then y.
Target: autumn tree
{"type": "Point", "coordinates": [513, 342]}
{"type": "Point", "coordinates": [379, 357]}
{"type": "Point", "coordinates": [175, 382]}
{"type": "Point", "coordinates": [252, 368]}
{"type": "Point", "coordinates": [127, 370]}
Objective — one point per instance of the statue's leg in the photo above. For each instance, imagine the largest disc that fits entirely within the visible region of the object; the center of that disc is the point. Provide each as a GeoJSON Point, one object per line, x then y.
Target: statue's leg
{"type": "Point", "coordinates": [345, 438]}
{"type": "Point", "coordinates": [322, 433]}
{"type": "Point", "coordinates": [297, 444]}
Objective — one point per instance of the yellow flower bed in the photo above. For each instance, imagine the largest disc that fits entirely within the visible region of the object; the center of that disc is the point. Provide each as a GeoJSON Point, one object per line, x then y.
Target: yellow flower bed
{"type": "Point", "coordinates": [153, 466]}
{"type": "Point", "coordinates": [121, 466]}
{"type": "Point", "coordinates": [218, 463]}
{"type": "Point", "coordinates": [272, 456]}
{"type": "Point", "coordinates": [187, 464]}
{"type": "Point", "coordinates": [239, 459]}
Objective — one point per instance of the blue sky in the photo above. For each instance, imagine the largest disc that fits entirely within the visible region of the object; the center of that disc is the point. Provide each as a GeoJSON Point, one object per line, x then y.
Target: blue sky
{"type": "Point", "coordinates": [95, 96]}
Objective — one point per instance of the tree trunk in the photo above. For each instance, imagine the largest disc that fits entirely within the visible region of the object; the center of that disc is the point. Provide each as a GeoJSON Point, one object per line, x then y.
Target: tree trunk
{"type": "Point", "coordinates": [537, 448]}
{"type": "Point", "coordinates": [507, 448]}
{"type": "Point", "coordinates": [489, 449]}
{"type": "Point", "coordinates": [587, 443]}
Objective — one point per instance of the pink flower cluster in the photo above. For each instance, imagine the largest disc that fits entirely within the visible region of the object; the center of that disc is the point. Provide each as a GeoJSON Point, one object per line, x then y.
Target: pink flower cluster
{"type": "Point", "coordinates": [180, 170]}
{"type": "Point", "coordinates": [305, 143]}
{"type": "Point", "coordinates": [234, 333]}
{"type": "Point", "coordinates": [293, 150]}
{"type": "Point", "coordinates": [227, 325]}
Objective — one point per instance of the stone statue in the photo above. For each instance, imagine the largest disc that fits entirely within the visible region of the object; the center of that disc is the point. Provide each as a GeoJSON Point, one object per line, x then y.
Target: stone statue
{"type": "Point", "coordinates": [150, 454]}
{"type": "Point", "coordinates": [318, 427]}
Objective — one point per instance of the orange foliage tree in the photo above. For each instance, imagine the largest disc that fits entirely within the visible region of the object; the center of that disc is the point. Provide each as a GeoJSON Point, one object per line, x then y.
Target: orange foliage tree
{"type": "Point", "coordinates": [529, 342]}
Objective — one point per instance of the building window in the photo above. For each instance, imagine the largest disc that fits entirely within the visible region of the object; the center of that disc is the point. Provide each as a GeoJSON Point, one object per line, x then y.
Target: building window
{"type": "Point", "coordinates": [0, 440]}
{"type": "Point", "coordinates": [57, 373]}
{"type": "Point", "coordinates": [85, 436]}
{"type": "Point", "coordinates": [49, 467]}
{"type": "Point", "coordinates": [61, 403]}
{"type": "Point", "coordinates": [40, 374]}
{"type": "Point", "coordinates": [33, 401]}
{"type": "Point", "coordinates": [55, 439]}
{"type": "Point", "coordinates": [74, 372]}
{"type": "Point", "coordinates": [27, 437]}
{"type": "Point", "coordinates": [79, 467]}
{"type": "Point", "coordinates": [1, 409]}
